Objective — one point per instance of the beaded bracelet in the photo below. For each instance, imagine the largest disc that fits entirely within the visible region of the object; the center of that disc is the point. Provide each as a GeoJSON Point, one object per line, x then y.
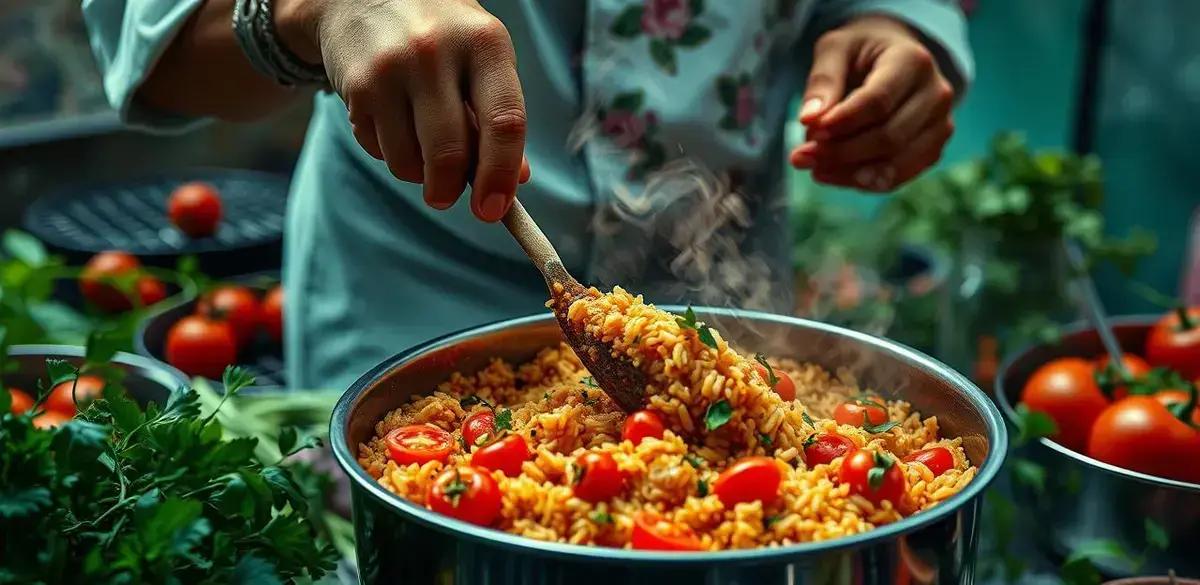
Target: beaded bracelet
{"type": "Point", "coordinates": [254, 28]}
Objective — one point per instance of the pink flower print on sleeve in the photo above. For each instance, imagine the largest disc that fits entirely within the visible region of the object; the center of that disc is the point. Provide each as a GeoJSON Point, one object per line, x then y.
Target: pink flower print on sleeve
{"type": "Point", "coordinates": [668, 25]}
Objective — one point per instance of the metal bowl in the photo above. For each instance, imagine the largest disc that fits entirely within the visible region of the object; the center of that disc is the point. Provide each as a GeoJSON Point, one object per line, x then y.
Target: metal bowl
{"type": "Point", "coordinates": [1087, 499]}
{"type": "Point", "coordinates": [145, 380]}
{"type": "Point", "coordinates": [400, 542]}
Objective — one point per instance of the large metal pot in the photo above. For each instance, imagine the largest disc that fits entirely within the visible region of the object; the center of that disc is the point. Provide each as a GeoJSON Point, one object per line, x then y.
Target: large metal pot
{"type": "Point", "coordinates": [1085, 499]}
{"type": "Point", "coordinates": [399, 542]}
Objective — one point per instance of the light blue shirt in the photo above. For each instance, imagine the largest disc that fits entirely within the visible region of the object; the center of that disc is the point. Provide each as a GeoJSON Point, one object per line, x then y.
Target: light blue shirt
{"type": "Point", "coordinates": [656, 142]}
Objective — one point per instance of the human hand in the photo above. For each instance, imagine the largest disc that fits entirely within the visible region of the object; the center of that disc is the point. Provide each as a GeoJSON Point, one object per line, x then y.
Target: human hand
{"type": "Point", "coordinates": [876, 107]}
{"type": "Point", "coordinates": [431, 87]}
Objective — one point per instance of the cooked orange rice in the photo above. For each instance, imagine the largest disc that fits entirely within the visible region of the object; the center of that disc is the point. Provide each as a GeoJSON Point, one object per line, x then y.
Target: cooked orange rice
{"type": "Point", "coordinates": [561, 414]}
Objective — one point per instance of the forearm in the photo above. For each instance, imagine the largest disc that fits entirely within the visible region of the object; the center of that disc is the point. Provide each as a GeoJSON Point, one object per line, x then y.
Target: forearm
{"type": "Point", "coordinates": [204, 72]}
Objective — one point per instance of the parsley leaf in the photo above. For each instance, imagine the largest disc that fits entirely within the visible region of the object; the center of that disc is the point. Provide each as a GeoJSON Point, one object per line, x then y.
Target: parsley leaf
{"type": "Point", "coordinates": [769, 520]}
{"type": "Point", "coordinates": [706, 336]}
{"type": "Point", "coordinates": [717, 415]}
{"type": "Point", "coordinates": [878, 471]}
{"type": "Point", "coordinates": [688, 321]}
{"type": "Point", "coordinates": [772, 379]}
{"type": "Point", "coordinates": [600, 517]}
{"type": "Point", "coordinates": [764, 439]}
{"type": "Point", "coordinates": [589, 381]}
{"type": "Point", "coordinates": [504, 420]}
{"type": "Point", "coordinates": [879, 428]}
{"type": "Point", "coordinates": [808, 419]}
{"type": "Point", "coordinates": [693, 460]}
{"type": "Point", "coordinates": [1032, 425]}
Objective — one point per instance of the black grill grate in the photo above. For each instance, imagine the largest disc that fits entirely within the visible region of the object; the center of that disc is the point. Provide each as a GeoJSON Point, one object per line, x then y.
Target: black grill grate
{"type": "Point", "coordinates": [132, 216]}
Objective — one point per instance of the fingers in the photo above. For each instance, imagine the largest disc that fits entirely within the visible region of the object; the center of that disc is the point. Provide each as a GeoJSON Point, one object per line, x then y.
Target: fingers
{"type": "Point", "coordinates": [892, 79]}
{"type": "Point", "coordinates": [827, 78]}
{"type": "Point", "coordinates": [445, 137]}
{"type": "Point", "coordinates": [395, 139]}
{"type": "Point", "coordinates": [885, 175]}
{"type": "Point", "coordinates": [499, 106]}
{"type": "Point", "coordinates": [930, 103]}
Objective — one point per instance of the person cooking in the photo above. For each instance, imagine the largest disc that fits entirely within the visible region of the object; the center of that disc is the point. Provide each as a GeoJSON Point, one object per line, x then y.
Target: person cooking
{"type": "Point", "coordinates": [439, 109]}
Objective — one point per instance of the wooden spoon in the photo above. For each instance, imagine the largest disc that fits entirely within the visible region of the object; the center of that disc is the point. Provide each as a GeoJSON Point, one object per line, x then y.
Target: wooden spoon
{"type": "Point", "coordinates": [616, 376]}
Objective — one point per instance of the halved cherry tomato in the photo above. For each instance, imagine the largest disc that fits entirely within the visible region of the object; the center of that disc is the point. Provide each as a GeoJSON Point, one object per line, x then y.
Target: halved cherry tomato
{"type": "Point", "coordinates": [195, 208]}
{"type": "Point", "coordinates": [50, 419]}
{"type": "Point", "coordinates": [750, 479]}
{"type": "Point", "coordinates": [505, 455]}
{"type": "Point", "coordinates": [597, 477]}
{"type": "Point", "coordinates": [94, 282]}
{"type": "Point", "coordinates": [642, 424]}
{"type": "Point", "coordinates": [1174, 342]}
{"type": "Point", "coordinates": [784, 386]}
{"type": "Point", "coordinates": [1139, 433]}
{"type": "Point", "coordinates": [466, 493]}
{"type": "Point", "coordinates": [479, 428]}
{"type": "Point", "coordinates": [272, 313]}
{"type": "Point", "coordinates": [823, 448]}
{"type": "Point", "coordinates": [651, 532]}
{"type": "Point", "coordinates": [852, 412]}
{"type": "Point", "coordinates": [1169, 397]}
{"type": "Point", "coordinates": [858, 471]}
{"type": "Point", "coordinates": [236, 305]}
{"type": "Point", "coordinates": [20, 401]}
{"type": "Point", "coordinates": [1134, 365]}
{"type": "Point", "coordinates": [200, 346]}
{"type": "Point", "coordinates": [86, 389]}
{"type": "Point", "coordinates": [1066, 390]}
{"type": "Point", "coordinates": [937, 459]}
{"type": "Point", "coordinates": [418, 444]}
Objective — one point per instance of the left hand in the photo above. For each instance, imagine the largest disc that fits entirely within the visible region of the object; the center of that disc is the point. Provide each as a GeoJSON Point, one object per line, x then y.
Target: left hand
{"type": "Point", "coordinates": [876, 107]}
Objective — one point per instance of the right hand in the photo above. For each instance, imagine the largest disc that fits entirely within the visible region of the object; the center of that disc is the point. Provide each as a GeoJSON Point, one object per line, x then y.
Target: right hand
{"type": "Point", "coordinates": [431, 87]}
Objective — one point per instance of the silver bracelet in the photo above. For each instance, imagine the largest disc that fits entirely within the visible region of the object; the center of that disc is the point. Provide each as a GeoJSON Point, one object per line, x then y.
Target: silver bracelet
{"type": "Point", "coordinates": [254, 28]}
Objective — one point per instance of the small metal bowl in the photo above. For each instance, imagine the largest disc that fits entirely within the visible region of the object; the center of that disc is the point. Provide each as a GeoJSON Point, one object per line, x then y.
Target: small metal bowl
{"type": "Point", "coordinates": [401, 542]}
{"type": "Point", "coordinates": [1087, 499]}
{"type": "Point", "coordinates": [146, 380]}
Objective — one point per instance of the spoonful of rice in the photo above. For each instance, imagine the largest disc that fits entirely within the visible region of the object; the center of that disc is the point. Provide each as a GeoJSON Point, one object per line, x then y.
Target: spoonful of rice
{"type": "Point", "coordinates": [618, 377]}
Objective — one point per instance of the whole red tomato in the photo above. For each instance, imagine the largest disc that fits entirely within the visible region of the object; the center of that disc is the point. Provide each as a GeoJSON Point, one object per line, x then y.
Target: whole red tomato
{"type": "Point", "coordinates": [506, 455]}
{"type": "Point", "coordinates": [1169, 397]}
{"type": "Point", "coordinates": [236, 305]}
{"type": "Point", "coordinates": [597, 477]}
{"type": "Point", "coordinates": [873, 475]}
{"type": "Point", "coordinates": [66, 395]}
{"type": "Point", "coordinates": [1174, 342]}
{"type": "Point", "coordinates": [479, 428]}
{"type": "Point", "coordinates": [466, 493]}
{"type": "Point", "coordinates": [21, 401]}
{"type": "Point", "coordinates": [1140, 434]}
{"type": "Point", "coordinates": [272, 313]}
{"type": "Point", "coordinates": [50, 419]}
{"type": "Point", "coordinates": [1066, 390]}
{"type": "Point", "coordinates": [201, 347]}
{"type": "Point", "coordinates": [116, 265]}
{"type": "Point", "coordinates": [750, 479]}
{"type": "Point", "coordinates": [195, 208]}
{"type": "Point", "coordinates": [1135, 366]}
{"type": "Point", "coordinates": [823, 448]}
{"type": "Point", "coordinates": [642, 424]}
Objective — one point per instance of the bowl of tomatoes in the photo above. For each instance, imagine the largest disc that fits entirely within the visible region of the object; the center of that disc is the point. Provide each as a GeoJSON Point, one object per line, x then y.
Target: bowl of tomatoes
{"type": "Point", "coordinates": [236, 323]}
{"type": "Point", "coordinates": [1120, 448]}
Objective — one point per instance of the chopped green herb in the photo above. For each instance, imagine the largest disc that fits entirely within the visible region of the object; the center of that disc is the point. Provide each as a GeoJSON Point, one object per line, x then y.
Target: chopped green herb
{"type": "Point", "coordinates": [864, 399]}
{"type": "Point", "coordinates": [472, 400]}
{"type": "Point", "coordinates": [772, 379]}
{"type": "Point", "coordinates": [463, 442]}
{"type": "Point", "coordinates": [688, 321]}
{"type": "Point", "coordinates": [807, 419]}
{"type": "Point", "coordinates": [1156, 535]}
{"type": "Point", "coordinates": [717, 415]}
{"type": "Point", "coordinates": [693, 460]}
{"type": "Point", "coordinates": [876, 474]}
{"type": "Point", "coordinates": [706, 336]}
{"type": "Point", "coordinates": [455, 489]}
{"type": "Point", "coordinates": [576, 472]}
{"type": "Point", "coordinates": [810, 440]}
{"type": "Point", "coordinates": [765, 440]}
{"type": "Point", "coordinates": [504, 420]}
{"type": "Point", "coordinates": [545, 396]}
{"type": "Point", "coordinates": [601, 517]}
{"type": "Point", "coordinates": [880, 428]}
{"type": "Point", "coordinates": [769, 520]}
{"type": "Point", "coordinates": [590, 382]}
{"type": "Point", "coordinates": [1032, 425]}
{"type": "Point", "coordinates": [701, 488]}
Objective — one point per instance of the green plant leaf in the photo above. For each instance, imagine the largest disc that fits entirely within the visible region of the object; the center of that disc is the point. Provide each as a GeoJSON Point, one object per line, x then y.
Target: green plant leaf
{"type": "Point", "coordinates": [252, 570]}
{"type": "Point", "coordinates": [628, 24]}
{"type": "Point", "coordinates": [101, 347]}
{"type": "Point", "coordinates": [630, 101]}
{"type": "Point", "coordinates": [1032, 425]}
{"type": "Point", "coordinates": [60, 371]}
{"type": "Point", "coordinates": [706, 337]}
{"type": "Point", "coordinates": [1030, 474]}
{"type": "Point", "coordinates": [25, 248]}
{"type": "Point", "coordinates": [284, 487]}
{"type": "Point", "coordinates": [663, 55]}
{"type": "Point", "coordinates": [23, 502]}
{"type": "Point", "coordinates": [1156, 536]}
{"type": "Point", "coordinates": [287, 439]}
{"type": "Point", "coordinates": [693, 36]}
{"type": "Point", "coordinates": [718, 413]}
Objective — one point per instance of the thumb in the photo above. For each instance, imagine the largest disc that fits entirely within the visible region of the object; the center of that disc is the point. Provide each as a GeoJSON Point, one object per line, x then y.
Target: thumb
{"type": "Point", "coordinates": [827, 79]}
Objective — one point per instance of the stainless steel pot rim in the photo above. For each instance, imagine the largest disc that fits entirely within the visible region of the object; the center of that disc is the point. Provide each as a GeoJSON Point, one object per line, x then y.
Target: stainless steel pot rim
{"type": "Point", "coordinates": [164, 374]}
{"type": "Point", "coordinates": [997, 450]}
{"type": "Point", "coordinates": [1010, 412]}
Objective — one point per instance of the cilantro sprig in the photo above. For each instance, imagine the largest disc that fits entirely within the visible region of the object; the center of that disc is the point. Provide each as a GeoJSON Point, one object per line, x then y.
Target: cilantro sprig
{"type": "Point", "coordinates": [703, 332]}
{"type": "Point", "coordinates": [718, 413]}
{"type": "Point", "coordinates": [772, 379]}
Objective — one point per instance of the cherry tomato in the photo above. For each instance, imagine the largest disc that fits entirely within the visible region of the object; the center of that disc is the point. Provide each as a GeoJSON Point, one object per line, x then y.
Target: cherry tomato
{"type": "Point", "coordinates": [1139, 433]}
{"type": "Point", "coordinates": [1169, 397]}
{"type": "Point", "coordinates": [50, 419]}
{"type": "Point", "coordinates": [642, 424]}
{"type": "Point", "coordinates": [851, 412]}
{"type": "Point", "coordinates": [150, 290]}
{"type": "Point", "coordinates": [21, 401]}
{"type": "Point", "coordinates": [939, 460]}
{"type": "Point", "coordinates": [236, 305]}
{"type": "Point", "coordinates": [418, 444]}
{"type": "Point", "coordinates": [109, 265]}
{"type": "Point", "coordinates": [1175, 344]}
{"type": "Point", "coordinates": [886, 484]}
{"type": "Point", "coordinates": [201, 347]}
{"type": "Point", "coordinates": [195, 208]}
{"type": "Point", "coordinates": [272, 313]}
{"type": "Point", "coordinates": [651, 532]}
{"type": "Point", "coordinates": [1066, 390]}
{"type": "Point", "coordinates": [823, 448]}
{"type": "Point", "coordinates": [86, 389]}
{"type": "Point", "coordinates": [597, 477]}
{"type": "Point", "coordinates": [1135, 365]}
{"type": "Point", "coordinates": [784, 386]}
{"type": "Point", "coordinates": [505, 455]}
{"type": "Point", "coordinates": [466, 493]}
{"type": "Point", "coordinates": [479, 428]}
{"type": "Point", "coordinates": [748, 480]}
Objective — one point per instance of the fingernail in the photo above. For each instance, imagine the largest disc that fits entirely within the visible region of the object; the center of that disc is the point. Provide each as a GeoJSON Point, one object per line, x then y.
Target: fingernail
{"type": "Point", "coordinates": [812, 106]}
{"type": "Point", "coordinates": [494, 206]}
{"type": "Point", "coordinates": [864, 177]}
{"type": "Point", "coordinates": [809, 147]}
{"type": "Point", "coordinates": [439, 205]}
{"type": "Point", "coordinates": [820, 135]}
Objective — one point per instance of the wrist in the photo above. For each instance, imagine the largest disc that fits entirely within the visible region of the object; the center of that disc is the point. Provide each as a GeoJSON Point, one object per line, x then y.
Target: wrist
{"type": "Point", "coordinates": [296, 23]}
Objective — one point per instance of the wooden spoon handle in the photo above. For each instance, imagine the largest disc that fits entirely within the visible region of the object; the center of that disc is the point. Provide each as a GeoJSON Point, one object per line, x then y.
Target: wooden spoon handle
{"type": "Point", "coordinates": [530, 237]}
